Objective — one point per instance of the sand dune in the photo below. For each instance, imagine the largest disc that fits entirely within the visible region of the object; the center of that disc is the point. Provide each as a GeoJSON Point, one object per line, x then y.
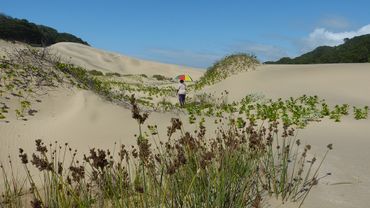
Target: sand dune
{"type": "Point", "coordinates": [337, 83]}
{"type": "Point", "coordinates": [92, 58]}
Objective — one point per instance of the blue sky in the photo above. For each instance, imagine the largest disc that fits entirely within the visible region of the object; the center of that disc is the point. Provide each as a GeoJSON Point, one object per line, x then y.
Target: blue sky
{"type": "Point", "coordinates": [199, 32]}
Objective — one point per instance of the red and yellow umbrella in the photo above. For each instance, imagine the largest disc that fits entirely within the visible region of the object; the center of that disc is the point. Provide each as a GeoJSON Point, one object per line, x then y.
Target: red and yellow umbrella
{"type": "Point", "coordinates": [184, 77]}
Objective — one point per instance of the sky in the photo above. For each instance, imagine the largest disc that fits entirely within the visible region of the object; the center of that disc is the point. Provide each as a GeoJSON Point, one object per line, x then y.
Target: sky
{"type": "Point", "coordinates": [196, 33]}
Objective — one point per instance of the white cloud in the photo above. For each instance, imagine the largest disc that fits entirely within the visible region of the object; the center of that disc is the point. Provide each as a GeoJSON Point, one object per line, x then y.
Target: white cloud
{"type": "Point", "coordinates": [335, 22]}
{"type": "Point", "coordinates": [322, 36]}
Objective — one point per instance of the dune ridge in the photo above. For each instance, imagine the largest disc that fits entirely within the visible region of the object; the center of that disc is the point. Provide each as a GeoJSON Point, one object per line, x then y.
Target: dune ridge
{"type": "Point", "coordinates": [92, 58]}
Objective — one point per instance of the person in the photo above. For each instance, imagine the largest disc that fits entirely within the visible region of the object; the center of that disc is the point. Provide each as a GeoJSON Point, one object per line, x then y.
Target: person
{"type": "Point", "coordinates": [181, 91]}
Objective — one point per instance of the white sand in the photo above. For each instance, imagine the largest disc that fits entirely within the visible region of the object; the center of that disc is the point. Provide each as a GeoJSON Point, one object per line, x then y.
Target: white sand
{"type": "Point", "coordinates": [85, 120]}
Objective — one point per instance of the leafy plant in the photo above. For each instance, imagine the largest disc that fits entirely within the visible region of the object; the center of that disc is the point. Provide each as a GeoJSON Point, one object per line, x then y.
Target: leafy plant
{"type": "Point", "coordinates": [361, 113]}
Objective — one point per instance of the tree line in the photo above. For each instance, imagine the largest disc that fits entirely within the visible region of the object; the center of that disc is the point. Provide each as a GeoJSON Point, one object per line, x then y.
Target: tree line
{"type": "Point", "coordinates": [13, 29]}
{"type": "Point", "coordinates": [354, 50]}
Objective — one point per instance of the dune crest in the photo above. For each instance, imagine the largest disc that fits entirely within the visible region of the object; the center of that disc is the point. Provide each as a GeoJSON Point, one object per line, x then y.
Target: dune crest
{"type": "Point", "coordinates": [95, 59]}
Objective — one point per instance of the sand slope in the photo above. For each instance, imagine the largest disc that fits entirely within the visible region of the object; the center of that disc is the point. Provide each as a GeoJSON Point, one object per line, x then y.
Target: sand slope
{"type": "Point", "coordinates": [92, 58]}
{"type": "Point", "coordinates": [76, 116]}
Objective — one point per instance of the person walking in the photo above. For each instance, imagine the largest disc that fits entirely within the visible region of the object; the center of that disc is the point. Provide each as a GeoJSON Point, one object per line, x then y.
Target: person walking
{"type": "Point", "coordinates": [181, 91]}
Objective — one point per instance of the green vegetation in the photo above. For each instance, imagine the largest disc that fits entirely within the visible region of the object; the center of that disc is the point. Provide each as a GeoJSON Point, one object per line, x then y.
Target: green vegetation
{"type": "Point", "coordinates": [293, 111]}
{"type": "Point", "coordinates": [116, 91]}
{"type": "Point", "coordinates": [226, 67]}
{"type": "Point", "coordinates": [354, 50]}
{"type": "Point", "coordinates": [361, 113]}
{"type": "Point", "coordinates": [241, 167]}
{"type": "Point", "coordinates": [13, 29]}
{"type": "Point", "coordinates": [85, 79]}
{"type": "Point", "coordinates": [26, 74]}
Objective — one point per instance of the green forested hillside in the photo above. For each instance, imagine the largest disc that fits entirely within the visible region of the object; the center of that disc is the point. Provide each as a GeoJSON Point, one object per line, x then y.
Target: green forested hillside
{"type": "Point", "coordinates": [14, 29]}
{"type": "Point", "coordinates": [354, 50]}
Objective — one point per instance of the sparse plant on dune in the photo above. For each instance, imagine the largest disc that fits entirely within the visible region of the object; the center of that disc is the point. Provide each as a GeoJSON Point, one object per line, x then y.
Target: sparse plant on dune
{"type": "Point", "coordinates": [24, 105]}
{"type": "Point", "coordinates": [293, 111]}
{"type": "Point", "coordinates": [26, 74]}
{"type": "Point", "coordinates": [361, 113]}
{"type": "Point", "coordinates": [325, 111]}
{"type": "Point", "coordinates": [226, 67]}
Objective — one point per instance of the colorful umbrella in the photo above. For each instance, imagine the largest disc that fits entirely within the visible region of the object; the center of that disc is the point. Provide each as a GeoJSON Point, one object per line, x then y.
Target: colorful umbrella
{"type": "Point", "coordinates": [184, 77]}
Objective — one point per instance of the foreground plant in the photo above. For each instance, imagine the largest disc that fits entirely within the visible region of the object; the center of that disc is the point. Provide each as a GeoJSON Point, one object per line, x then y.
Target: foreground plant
{"type": "Point", "coordinates": [241, 166]}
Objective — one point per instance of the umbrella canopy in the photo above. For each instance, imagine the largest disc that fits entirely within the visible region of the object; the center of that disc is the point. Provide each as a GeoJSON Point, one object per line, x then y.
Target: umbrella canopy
{"type": "Point", "coordinates": [184, 77]}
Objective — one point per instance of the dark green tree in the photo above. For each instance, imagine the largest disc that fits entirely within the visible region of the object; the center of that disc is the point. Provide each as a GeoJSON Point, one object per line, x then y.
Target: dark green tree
{"type": "Point", "coordinates": [14, 29]}
{"type": "Point", "coordinates": [354, 50]}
